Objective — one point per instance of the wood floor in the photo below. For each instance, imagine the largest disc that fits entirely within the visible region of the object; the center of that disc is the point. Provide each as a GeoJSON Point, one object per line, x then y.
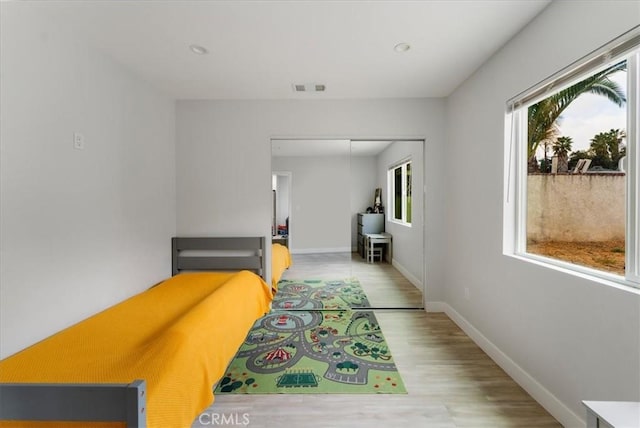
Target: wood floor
{"type": "Point", "coordinates": [450, 381]}
{"type": "Point", "coordinates": [384, 285]}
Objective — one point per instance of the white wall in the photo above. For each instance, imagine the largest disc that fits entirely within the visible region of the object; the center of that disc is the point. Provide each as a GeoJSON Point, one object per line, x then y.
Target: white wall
{"type": "Point", "coordinates": [223, 155]}
{"type": "Point", "coordinates": [577, 338]}
{"type": "Point", "coordinates": [407, 241]}
{"type": "Point", "coordinates": [320, 202]}
{"type": "Point", "coordinates": [81, 229]}
{"type": "Point", "coordinates": [363, 187]}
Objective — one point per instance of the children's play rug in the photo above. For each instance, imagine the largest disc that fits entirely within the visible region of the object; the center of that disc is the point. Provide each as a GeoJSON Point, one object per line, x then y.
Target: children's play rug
{"type": "Point", "coordinates": [318, 294]}
{"type": "Point", "coordinates": [317, 352]}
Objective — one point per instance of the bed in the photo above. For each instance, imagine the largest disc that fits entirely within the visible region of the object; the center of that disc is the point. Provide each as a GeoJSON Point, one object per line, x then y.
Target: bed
{"type": "Point", "coordinates": [195, 254]}
{"type": "Point", "coordinates": [152, 359]}
{"type": "Point", "coordinates": [280, 262]}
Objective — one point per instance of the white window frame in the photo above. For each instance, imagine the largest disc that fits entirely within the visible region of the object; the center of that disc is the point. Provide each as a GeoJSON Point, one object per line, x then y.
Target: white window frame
{"type": "Point", "coordinates": [626, 47]}
{"type": "Point", "coordinates": [391, 192]}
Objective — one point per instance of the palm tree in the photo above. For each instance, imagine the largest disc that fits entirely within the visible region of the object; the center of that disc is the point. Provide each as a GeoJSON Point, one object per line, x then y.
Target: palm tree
{"type": "Point", "coordinates": [607, 148]}
{"type": "Point", "coordinates": [542, 116]}
{"type": "Point", "coordinates": [599, 150]}
{"type": "Point", "coordinates": [561, 148]}
{"type": "Point", "coordinates": [616, 146]}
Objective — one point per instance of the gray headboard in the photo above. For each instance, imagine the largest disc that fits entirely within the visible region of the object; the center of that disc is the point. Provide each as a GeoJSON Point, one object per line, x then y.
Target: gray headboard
{"type": "Point", "coordinates": [218, 254]}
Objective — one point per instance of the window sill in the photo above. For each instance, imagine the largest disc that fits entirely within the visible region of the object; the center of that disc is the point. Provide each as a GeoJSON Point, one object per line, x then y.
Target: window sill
{"type": "Point", "coordinates": [581, 272]}
{"type": "Point", "coordinates": [399, 223]}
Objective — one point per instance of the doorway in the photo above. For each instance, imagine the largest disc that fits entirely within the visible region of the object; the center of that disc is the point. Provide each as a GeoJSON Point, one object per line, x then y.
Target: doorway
{"type": "Point", "coordinates": [281, 217]}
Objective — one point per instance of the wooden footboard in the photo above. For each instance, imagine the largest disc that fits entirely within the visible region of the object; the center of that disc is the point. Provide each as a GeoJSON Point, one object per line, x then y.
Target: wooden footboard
{"type": "Point", "coordinates": [74, 402]}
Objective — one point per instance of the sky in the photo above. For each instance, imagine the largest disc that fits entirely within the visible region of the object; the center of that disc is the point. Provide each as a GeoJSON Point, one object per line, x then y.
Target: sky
{"type": "Point", "coordinates": [592, 114]}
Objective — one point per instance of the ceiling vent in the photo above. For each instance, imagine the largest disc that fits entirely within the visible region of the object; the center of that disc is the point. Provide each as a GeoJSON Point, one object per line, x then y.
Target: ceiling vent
{"type": "Point", "coordinates": [309, 87]}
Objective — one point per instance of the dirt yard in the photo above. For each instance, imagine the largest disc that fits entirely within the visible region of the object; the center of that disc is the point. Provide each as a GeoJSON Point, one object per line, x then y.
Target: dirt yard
{"type": "Point", "coordinates": [607, 256]}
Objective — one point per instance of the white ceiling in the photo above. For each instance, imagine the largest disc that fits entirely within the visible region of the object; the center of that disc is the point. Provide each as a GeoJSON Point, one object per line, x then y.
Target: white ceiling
{"type": "Point", "coordinates": [259, 49]}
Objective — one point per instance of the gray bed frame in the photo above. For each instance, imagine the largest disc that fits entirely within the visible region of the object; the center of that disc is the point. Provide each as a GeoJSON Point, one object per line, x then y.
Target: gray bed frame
{"type": "Point", "coordinates": [219, 254]}
{"type": "Point", "coordinates": [95, 402]}
{"type": "Point", "coordinates": [101, 402]}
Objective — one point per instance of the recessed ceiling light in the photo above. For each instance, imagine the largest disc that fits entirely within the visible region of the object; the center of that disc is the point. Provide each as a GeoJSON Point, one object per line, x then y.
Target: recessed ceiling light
{"type": "Point", "coordinates": [402, 47]}
{"type": "Point", "coordinates": [197, 49]}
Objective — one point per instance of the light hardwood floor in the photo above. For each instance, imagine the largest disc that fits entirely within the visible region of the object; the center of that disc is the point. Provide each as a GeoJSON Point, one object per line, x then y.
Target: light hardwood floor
{"type": "Point", "coordinates": [384, 285]}
{"type": "Point", "coordinates": [450, 381]}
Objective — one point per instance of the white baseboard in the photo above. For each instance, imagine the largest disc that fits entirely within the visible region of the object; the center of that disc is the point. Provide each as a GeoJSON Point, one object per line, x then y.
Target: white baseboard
{"type": "Point", "coordinates": [412, 278]}
{"type": "Point", "coordinates": [436, 307]}
{"type": "Point", "coordinates": [542, 395]}
{"type": "Point", "coordinates": [320, 250]}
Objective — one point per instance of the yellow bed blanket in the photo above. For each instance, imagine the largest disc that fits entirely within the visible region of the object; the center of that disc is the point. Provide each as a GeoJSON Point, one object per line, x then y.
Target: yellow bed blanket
{"type": "Point", "coordinates": [280, 261]}
{"type": "Point", "coordinates": [178, 336]}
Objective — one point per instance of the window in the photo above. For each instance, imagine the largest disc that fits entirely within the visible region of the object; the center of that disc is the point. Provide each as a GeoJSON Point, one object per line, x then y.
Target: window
{"type": "Point", "coordinates": [572, 166]}
{"type": "Point", "coordinates": [400, 192]}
